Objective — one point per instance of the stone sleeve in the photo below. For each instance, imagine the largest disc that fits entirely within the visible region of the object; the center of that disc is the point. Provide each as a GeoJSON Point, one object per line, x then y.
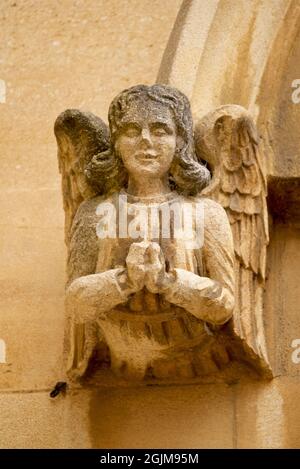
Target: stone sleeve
{"type": "Point", "coordinates": [209, 298]}
{"type": "Point", "coordinates": [90, 294]}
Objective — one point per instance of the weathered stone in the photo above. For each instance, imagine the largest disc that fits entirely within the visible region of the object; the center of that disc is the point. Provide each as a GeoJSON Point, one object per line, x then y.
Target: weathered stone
{"type": "Point", "coordinates": [179, 280]}
{"type": "Point", "coordinates": [55, 55]}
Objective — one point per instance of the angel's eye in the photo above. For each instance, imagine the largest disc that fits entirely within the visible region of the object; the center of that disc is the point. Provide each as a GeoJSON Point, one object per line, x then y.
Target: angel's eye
{"type": "Point", "coordinates": [132, 131]}
{"type": "Point", "coordinates": [161, 129]}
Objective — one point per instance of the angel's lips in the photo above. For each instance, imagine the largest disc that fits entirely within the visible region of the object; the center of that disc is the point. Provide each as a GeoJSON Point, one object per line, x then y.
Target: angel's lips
{"type": "Point", "coordinates": [145, 156]}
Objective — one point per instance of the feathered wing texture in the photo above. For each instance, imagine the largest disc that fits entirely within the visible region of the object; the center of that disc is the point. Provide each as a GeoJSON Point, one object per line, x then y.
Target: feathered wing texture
{"type": "Point", "coordinates": [80, 136]}
{"type": "Point", "coordinates": [227, 139]}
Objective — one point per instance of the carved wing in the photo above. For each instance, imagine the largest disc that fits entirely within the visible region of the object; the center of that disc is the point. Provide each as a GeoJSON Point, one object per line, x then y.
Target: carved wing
{"type": "Point", "coordinates": [227, 139]}
{"type": "Point", "coordinates": [80, 135]}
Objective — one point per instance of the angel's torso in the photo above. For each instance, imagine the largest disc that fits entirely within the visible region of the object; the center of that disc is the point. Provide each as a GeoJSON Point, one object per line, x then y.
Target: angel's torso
{"type": "Point", "coordinates": [147, 332]}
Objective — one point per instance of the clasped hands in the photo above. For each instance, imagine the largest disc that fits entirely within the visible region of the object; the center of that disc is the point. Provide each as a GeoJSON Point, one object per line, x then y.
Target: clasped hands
{"type": "Point", "coordinates": [146, 267]}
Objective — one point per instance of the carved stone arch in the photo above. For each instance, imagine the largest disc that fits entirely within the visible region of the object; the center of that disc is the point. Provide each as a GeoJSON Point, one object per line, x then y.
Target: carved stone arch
{"type": "Point", "coordinates": [218, 54]}
{"type": "Point", "coordinates": [245, 53]}
{"type": "Point", "coordinates": [279, 117]}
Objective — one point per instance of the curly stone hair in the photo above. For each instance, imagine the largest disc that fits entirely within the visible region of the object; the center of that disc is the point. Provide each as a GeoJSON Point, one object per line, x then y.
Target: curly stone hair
{"type": "Point", "coordinates": [106, 172]}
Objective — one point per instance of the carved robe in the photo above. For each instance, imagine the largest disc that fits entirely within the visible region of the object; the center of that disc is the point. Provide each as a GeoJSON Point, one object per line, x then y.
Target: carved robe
{"type": "Point", "coordinates": [167, 335]}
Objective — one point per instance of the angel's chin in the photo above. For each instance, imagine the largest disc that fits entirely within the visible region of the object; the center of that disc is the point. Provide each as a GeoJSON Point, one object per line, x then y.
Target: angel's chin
{"type": "Point", "coordinates": [147, 166]}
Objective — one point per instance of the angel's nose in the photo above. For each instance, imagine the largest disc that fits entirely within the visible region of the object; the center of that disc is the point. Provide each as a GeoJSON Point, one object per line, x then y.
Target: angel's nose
{"type": "Point", "coordinates": [146, 136]}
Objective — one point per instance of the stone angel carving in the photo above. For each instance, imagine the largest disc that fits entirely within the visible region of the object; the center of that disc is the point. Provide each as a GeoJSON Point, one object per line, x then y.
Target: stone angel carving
{"type": "Point", "coordinates": [165, 265]}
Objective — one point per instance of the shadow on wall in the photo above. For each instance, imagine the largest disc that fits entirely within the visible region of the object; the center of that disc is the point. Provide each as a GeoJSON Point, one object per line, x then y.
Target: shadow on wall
{"type": "Point", "coordinates": [162, 417]}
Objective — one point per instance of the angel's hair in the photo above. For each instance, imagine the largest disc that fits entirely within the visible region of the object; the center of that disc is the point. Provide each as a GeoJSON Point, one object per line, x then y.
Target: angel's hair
{"type": "Point", "coordinates": [187, 174]}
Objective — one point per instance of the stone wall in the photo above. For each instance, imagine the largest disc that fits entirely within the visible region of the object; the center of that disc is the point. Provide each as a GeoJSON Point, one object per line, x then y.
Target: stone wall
{"type": "Point", "coordinates": [80, 53]}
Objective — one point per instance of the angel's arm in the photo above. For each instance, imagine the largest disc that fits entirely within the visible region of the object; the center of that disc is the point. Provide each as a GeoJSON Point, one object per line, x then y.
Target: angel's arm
{"type": "Point", "coordinates": [90, 294]}
{"type": "Point", "coordinates": [209, 298]}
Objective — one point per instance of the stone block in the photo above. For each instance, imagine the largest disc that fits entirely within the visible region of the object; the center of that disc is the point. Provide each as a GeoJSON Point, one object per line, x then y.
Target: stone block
{"type": "Point", "coordinates": [34, 420]}
{"type": "Point", "coordinates": [162, 417]}
{"type": "Point", "coordinates": [268, 414]}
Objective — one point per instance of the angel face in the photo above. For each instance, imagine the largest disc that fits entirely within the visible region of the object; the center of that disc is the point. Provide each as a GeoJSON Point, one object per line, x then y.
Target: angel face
{"type": "Point", "coordinates": [146, 140]}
